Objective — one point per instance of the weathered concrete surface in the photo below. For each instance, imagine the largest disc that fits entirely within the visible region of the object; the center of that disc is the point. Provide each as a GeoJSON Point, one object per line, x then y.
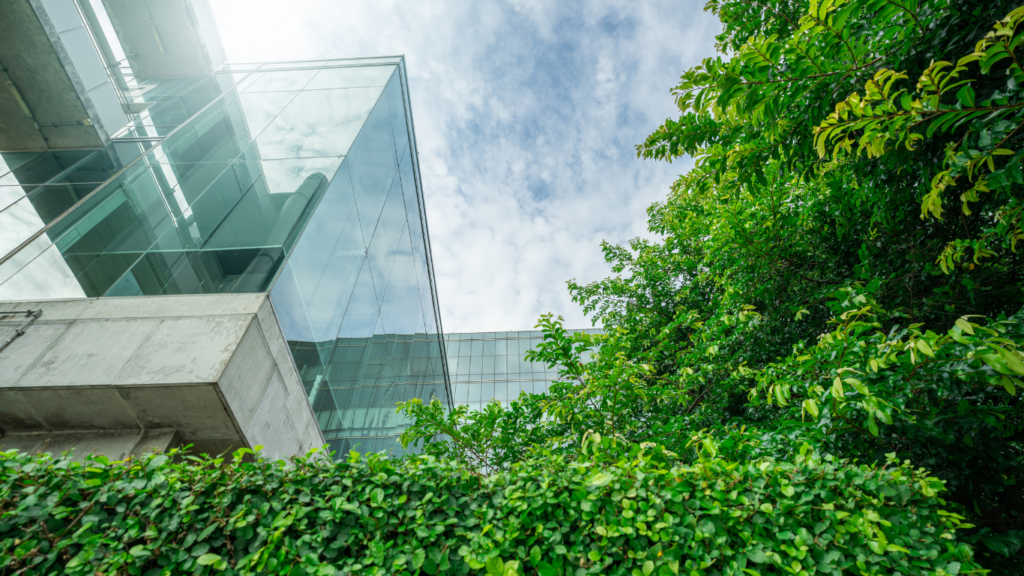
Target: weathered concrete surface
{"type": "Point", "coordinates": [116, 375]}
{"type": "Point", "coordinates": [116, 445]}
{"type": "Point", "coordinates": [52, 65]}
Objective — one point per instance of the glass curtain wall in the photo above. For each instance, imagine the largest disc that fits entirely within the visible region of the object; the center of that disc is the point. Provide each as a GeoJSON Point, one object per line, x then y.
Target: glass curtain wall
{"type": "Point", "coordinates": [489, 366]}
{"type": "Point", "coordinates": [296, 178]}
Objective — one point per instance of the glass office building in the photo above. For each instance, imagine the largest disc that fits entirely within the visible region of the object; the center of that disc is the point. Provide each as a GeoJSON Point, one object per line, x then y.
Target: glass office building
{"type": "Point", "coordinates": [487, 366]}
{"type": "Point", "coordinates": [299, 179]}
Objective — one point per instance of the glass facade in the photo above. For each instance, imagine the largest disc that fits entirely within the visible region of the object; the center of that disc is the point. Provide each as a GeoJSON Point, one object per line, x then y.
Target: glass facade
{"type": "Point", "coordinates": [299, 179]}
{"type": "Point", "coordinates": [487, 366]}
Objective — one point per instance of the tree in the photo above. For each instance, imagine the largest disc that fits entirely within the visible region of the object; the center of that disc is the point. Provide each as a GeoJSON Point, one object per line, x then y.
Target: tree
{"type": "Point", "coordinates": [840, 266]}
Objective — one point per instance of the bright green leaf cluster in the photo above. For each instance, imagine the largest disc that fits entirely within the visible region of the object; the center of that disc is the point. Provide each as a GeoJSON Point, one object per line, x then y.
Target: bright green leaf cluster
{"type": "Point", "coordinates": [625, 510]}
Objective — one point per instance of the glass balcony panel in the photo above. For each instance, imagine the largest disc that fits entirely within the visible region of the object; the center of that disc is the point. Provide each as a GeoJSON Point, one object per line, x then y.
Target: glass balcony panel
{"type": "Point", "coordinates": [18, 222]}
{"type": "Point", "coordinates": [41, 167]}
{"type": "Point", "coordinates": [260, 108]}
{"type": "Point", "coordinates": [362, 310]}
{"type": "Point", "coordinates": [318, 123]}
{"type": "Point", "coordinates": [373, 166]}
{"type": "Point", "coordinates": [9, 195]}
{"type": "Point", "coordinates": [396, 105]}
{"type": "Point", "coordinates": [295, 64]}
{"type": "Point", "coordinates": [364, 61]}
{"type": "Point", "coordinates": [12, 160]}
{"type": "Point", "coordinates": [330, 293]}
{"type": "Point", "coordinates": [399, 310]}
{"type": "Point", "coordinates": [50, 201]}
{"type": "Point", "coordinates": [149, 275]}
{"type": "Point", "coordinates": [46, 276]}
{"type": "Point", "coordinates": [209, 208]}
{"type": "Point", "coordinates": [355, 77]}
{"type": "Point", "coordinates": [287, 176]}
{"type": "Point", "coordinates": [290, 309]}
{"type": "Point", "coordinates": [283, 81]}
{"type": "Point", "coordinates": [23, 257]}
{"type": "Point", "coordinates": [261, 219]}
{"type": "Point", "coordinates": [391, 226]}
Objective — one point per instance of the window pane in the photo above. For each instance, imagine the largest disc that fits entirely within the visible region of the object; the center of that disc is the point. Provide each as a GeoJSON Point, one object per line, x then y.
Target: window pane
{"type": "Point", "coordinates": [354, 77]}
{"type": "Point", "coordinates": [318, 123]}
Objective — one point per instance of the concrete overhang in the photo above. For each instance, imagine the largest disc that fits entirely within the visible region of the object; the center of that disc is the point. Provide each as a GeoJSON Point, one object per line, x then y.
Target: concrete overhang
{"type": "Point", "coordinates": [166, 38]}
{"type": "Point", "coordinates": [54, 89]}
{"type": "Point", "coordinates": [120, 375]}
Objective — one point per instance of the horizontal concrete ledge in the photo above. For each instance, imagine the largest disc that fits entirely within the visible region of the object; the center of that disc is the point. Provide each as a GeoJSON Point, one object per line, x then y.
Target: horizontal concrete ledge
{"type": "Point", "coordinates": [114, 444]}
{"type": "Point", "coordinates": [180, 306]}
{"type": "Point", "coordinates": [215, 368]}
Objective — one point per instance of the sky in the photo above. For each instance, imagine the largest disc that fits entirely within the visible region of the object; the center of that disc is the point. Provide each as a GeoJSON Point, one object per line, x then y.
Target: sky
{"type": "Point", "coordinates": [527, 114]}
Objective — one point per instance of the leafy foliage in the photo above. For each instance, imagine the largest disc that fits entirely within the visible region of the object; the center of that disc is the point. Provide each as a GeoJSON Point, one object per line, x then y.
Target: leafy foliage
{"type": "Point", "coordinates": [617, 509]}
{"type": "Point", "coordinates": [808, 280]}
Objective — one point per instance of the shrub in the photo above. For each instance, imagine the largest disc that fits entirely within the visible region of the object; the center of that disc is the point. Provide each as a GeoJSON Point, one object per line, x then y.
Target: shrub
{"type": "Point", "coordinates": [622, 509]}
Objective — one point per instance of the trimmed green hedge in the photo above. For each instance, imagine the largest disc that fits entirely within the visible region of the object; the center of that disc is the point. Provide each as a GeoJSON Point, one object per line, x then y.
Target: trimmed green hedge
{"type": "Point", "coordinates": [627, 511]}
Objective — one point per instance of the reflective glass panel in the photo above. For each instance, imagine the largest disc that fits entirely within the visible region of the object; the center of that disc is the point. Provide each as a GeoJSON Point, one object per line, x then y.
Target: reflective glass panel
{"type": "Point", "coordinates": [280, 180]}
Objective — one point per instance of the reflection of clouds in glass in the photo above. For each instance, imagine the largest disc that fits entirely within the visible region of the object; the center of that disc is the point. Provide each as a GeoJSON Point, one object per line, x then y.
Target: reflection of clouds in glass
{"type": "Point", "coordinates": [287, 175]}
{"type": "Point", "coordinates": [351, 77]}
{"type": "Point", "coordinates": [17, 223]}
{"type": "Point", "coordinates": [259, 109]}
{"type": "Point", "coordinates": [47, 277]}
{"type": "Point", "coordinates": [10, 194]}
{"type": "Point", "coordinates": [24, 256]}
{"type": "Point", "coordinates": [280, 81]}
{"type": "Point", "coordinates": [318, 123]}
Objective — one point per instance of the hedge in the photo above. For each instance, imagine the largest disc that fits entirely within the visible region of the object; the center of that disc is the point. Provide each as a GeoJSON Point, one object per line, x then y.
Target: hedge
{"type": "Point", "coordinates": [630, 511]}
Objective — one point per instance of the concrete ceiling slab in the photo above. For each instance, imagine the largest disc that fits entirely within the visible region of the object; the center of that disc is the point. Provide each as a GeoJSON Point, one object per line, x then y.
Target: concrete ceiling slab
{"type": "Point", "coordinates": [35, 73]}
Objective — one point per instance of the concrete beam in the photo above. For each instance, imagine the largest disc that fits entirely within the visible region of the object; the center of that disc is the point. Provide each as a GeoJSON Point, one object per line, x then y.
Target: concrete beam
{"type": "Point", "coordinates": [54, 90]}
{"type": "Point", "coordinates": [97, 373]}
{"type": "Point", "coordinates": [116, 445]}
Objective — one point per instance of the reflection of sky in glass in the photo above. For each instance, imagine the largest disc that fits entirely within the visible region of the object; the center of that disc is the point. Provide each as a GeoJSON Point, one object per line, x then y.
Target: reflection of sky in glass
{"type": "Point", "coordinates": [48, 276]}
{"type": "Point", "coordinates": [286, 175]}
{"type": "Point", "coordinates": [351, 77]}
{"type": "Point", "coordinates": [10, 194]}
{"type": "Point", "coordinates": [291, 184]}
{"type": "Point", "coordinates": [318, 123]}
{"type": "Point", "coordinates": [17, 223]}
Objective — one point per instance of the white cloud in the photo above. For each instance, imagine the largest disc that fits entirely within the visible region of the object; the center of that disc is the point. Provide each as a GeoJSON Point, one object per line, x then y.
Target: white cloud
{"type": "Point", "coordinates": [527, 113]}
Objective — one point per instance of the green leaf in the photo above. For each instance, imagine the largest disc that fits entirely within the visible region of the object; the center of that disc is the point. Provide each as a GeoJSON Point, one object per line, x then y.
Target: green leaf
{"type": "Point", "coordinates": [599, 479]}
{"type": "Point", "coordinates": [648, 568]}
{"type": "Point", "coordinates": [545, 569]}
{"type": "Point", "coordinates": [965, 325]}
{"type": "Point", "coordinates": [925, 348]}
{"type": "Point", "coordinates": [417, 558]}
{"type": "Point", "coordinates": [837, 389]}
{"type": "Point", "coordinates": [207, 559]}
{"type": "Point", "coordinates": [495, 566]}
{"type": "Point", "coordinates": [1008, 385]}
{"type": "Point", "coordinates": [756, 555]}
{"type": "Point", "coordinates": [872, 425]}
{"type": "Point", "coordinates": [1012, 360]}
{"type": "Point", "coordinates": [966, 96]}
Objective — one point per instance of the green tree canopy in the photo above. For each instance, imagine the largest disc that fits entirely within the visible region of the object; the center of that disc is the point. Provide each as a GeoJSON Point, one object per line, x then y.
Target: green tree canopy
{"type": "Point", "coordinates": [840, 265]}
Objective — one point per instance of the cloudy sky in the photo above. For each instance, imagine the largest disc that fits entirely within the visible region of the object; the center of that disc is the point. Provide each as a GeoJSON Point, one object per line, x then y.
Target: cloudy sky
{"type": "Point", "coordinates": [527, 113]}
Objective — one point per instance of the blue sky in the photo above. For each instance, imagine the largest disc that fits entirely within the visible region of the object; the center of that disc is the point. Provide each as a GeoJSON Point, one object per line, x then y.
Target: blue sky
{"type": "Point", "coordinates": [527, 114]}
